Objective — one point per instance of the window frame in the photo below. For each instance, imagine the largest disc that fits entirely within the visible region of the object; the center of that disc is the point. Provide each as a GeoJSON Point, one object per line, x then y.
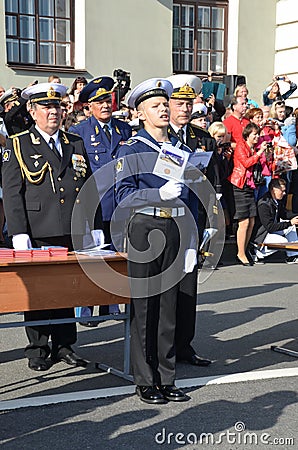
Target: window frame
{"type": "Point", "coordinates": [38, 42]}
{"type": "Point", "coordinates": [179, 50]}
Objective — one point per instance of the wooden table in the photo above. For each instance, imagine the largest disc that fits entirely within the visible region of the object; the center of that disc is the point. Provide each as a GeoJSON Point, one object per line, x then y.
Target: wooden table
{"type": "Point", "coordinates": [283, 246]}
{"type": "Point", "coordinates": [60, 282]}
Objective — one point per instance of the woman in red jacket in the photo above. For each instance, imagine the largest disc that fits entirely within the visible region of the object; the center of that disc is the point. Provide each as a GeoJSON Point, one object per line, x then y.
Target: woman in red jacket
{"type": "Point", "coordinates": [245, 157]}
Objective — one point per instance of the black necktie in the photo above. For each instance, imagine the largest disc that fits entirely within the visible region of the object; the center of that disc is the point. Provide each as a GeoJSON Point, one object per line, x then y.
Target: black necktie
{"type": "Point", "coordinates": [107, 132]}
{"type": "Point", "coordinates": [54, 148]}
{"type": "Point", "coordinates": [180, 134]}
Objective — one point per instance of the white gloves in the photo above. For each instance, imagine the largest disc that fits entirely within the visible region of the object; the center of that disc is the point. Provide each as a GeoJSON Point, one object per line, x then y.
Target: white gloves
{"type": "Point", "coordinates": [21, 242]}
{"type": "Point", "coordinates": [172, 189]}
{"type": "Point", "coordinates": [190, 260]}
{"type": "Point", "coordinates": [98, 238]}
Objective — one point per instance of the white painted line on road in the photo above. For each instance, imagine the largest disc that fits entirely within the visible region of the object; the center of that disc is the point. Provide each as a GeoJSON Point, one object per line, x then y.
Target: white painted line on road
{"type": "Point", "coordinates": [237, 377]}
{"type": "Point", "coordinates": [126, 390]}
{"type": "Point", "coordinates": [69, 397]}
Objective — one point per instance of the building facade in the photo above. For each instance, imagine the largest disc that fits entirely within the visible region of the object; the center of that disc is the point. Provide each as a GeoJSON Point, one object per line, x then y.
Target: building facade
{"type": "Point", "coordinates": [149, 38]}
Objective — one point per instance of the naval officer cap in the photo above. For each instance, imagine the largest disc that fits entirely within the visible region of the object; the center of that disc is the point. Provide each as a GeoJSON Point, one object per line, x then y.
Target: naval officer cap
{"type": "Point", "coordinates": [45, 93]}
{"type": "Point", "coordinates": [154, 87]}
{"type": "Point", "coordinates": [9, 96]}
{"type": "Point", "coordinates": [199, 110]}
{"type": "Point", "coordinates": [97, 89]}
{"type": "Point", "coordinates": [185, 86]}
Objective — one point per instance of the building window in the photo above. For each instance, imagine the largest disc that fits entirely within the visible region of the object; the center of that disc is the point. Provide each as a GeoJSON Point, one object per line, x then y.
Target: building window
{"type": "Point", "coordinates": [39, 32]}
{"type": "Point", "coordinates": [199, 36]}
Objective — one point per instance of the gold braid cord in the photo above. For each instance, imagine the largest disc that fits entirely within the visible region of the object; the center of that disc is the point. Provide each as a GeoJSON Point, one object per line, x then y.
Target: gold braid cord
{"type": "Point", "coordinates": [32, 177]}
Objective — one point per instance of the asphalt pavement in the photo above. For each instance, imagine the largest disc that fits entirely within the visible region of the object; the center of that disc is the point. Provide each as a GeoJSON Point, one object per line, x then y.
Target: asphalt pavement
{"type": "Point", "coordinates": [247, 398]}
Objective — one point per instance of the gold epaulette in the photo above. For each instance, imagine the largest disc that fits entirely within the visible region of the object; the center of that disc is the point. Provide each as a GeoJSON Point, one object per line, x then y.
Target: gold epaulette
{"type": "Point", "coordinates": [19, 134]}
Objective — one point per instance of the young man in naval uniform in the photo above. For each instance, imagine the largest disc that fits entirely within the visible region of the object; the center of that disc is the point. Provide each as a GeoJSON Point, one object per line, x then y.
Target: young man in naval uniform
{"type": "Point", "coordinates": [43, 172]}
{"type": "Point", "coordinates": [162, 240]}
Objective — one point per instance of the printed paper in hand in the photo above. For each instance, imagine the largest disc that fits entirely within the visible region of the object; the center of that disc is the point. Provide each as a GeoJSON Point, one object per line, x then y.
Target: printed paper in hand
{"type": "Point", "coordinates": [171, 162]}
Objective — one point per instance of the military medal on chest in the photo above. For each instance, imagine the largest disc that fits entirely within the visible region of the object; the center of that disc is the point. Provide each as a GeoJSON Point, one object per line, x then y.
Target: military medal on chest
{"type": "Point", "coordinates": [79, 165]}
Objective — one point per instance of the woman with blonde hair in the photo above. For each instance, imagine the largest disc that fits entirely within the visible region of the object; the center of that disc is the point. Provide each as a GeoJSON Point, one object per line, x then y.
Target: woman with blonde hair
{"type": "Point", "coordinates": [242, 91]}
{"type": "Point", "coordinates": [278, 111]}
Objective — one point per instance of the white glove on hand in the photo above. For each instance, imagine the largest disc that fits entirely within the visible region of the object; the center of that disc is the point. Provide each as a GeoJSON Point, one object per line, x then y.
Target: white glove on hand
{"type": "Point", "coordinates": [190, 260]}
{"type": "Point", "coordinates": [21, 242]}
{"type": "Point", "coordinates": [98, 238]}
{"type": "Point", "coordinates": [172, 189]}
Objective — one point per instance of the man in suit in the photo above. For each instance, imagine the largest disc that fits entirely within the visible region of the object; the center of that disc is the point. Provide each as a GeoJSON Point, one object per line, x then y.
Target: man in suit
{"type": "Point", "coordinates": [43, 172]}
{"type": "Point", "coordinates": [102, 135]}
{"type": "Point", "coordinates": [186, 88]}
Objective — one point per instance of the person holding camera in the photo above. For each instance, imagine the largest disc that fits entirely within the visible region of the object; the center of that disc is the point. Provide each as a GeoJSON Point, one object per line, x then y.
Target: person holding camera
{"type": "Point", "coordinates": [224, 158]}
{"type": "Point", "coordinates": [246, 156]}
{"type": "Point", "coordinates": [267, 133]}
{"type": "Point", "coordinates": [272, 92]}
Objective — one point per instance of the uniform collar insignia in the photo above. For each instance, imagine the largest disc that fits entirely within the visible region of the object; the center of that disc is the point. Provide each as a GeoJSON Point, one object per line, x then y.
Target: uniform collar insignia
{"type": "Point", "coordinates": [192, 135]}
{"type": "Point", "coordinates": [96, 129]}
{"type": "Point", "coordinates": [35, 140]}
{"type": "Point", "coordinates": [65, 139]}
{"type": "Point", "coordinates": [117, 129]}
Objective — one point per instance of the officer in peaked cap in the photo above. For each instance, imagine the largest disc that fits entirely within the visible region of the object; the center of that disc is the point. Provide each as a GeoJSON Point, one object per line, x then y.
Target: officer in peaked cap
{"type": "Point", "coordinates": [43, 172]}
{"type": "Point", "coordinates": [98, 88]}
{"type": "Point", "coordinates": [15, 115]}
{"type": "Point", "coordinates": [9, 96]}
{"type": "Point", "coordinates": [185, 86]}
{"type": "Point", "coordinates": [45, 93]}
{"type": "Point", "coordinates": [186, 89]}
{"type": "Point", "coordinates": [102, 135]}
{"type": "Point", "coordinates": [158, 206]}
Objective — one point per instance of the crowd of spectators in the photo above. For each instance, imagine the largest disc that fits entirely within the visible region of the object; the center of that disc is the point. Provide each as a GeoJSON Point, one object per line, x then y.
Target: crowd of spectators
{"type": "Point", "coordinates": [253, 143]}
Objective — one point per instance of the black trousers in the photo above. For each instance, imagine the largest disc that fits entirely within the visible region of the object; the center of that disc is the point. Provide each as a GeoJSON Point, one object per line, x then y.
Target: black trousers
{"type": "Point", "coordinates": [62, 335]}
{"type": "Point", "coordinates": [154, 270]}
{"type": "Point", "coordinates": [186, 315]}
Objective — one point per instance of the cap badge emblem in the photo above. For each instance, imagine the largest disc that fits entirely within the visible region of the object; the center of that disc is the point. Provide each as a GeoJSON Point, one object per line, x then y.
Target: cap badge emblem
{"type": "Point", "coordinates": [51, 92]}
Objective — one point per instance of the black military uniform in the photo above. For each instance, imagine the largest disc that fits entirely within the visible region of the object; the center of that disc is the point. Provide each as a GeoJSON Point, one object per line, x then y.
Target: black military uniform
{"type": "Point", "coordinates": [186, 89]}
{"type": "Point", "coordinates": [40, 188]}
{"type": "Point", "coordinates": [17, 119]}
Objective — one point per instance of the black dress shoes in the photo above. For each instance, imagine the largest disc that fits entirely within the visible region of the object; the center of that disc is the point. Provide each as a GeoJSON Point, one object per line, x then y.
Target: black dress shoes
{"type": "Point", "coordinates": [150, 394]}
{"type": "Point", "coordinates": [39, 364]}
{"type": "Point", "coordinates": [89, 324]}
{"type": "Point", "coordinates": [173, 394]}
{"type": "Point", "coordinates": [71, 359]}
{"type": "Point", "coordinates": [244, 263]}
{"type": "Point", "coordinates": [195, 360]}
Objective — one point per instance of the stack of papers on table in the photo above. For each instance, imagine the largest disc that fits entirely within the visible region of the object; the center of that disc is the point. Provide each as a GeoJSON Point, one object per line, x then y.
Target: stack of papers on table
{"type": "Point", "coordinates": [40, 253]}
{"type": "Point", "coordinates": [96, 251]}
{"type": "Point", "coordinates": [23, 254]}
{"type": "Point", "coordinates": [56, 250]}
{"type": "Point", "coordinates": [6, 253]}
